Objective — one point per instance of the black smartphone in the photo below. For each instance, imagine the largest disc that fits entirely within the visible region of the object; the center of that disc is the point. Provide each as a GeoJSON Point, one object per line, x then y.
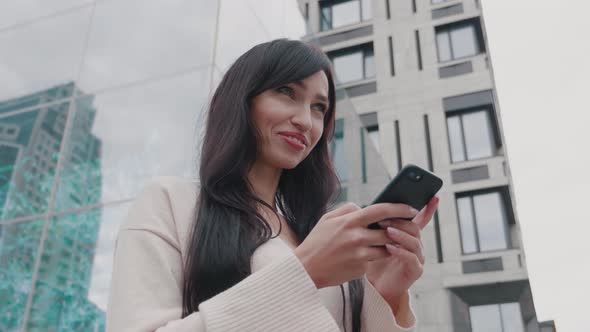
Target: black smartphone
{"type": "Point", "coordinates": [413, 186]}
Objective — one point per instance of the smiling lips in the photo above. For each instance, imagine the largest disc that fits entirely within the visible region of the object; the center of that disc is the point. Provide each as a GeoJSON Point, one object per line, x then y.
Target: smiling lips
{"type": "Point", "coordinates": [295, 140]}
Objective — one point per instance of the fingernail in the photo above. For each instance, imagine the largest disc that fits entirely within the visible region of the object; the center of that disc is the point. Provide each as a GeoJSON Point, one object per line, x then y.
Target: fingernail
{"type": "Point", "coordinates": [414, 211]}
{"type": "Point", "coordinates": [383, 223]}
{"type": "Point", "coordinates": [392, 231]}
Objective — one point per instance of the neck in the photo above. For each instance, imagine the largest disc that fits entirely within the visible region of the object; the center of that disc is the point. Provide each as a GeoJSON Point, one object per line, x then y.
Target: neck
{"type": "Point", "coordinates": [264, 180]}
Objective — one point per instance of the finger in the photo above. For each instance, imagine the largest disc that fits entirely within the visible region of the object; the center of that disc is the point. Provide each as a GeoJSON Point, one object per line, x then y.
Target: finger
{"type": "Point", "coordinates": [408, 227]}
{"type": "Point", "coordinates": [342, 210]}
{"type": "Point", "coordinates": [381, 211]}
{"type": "Point", "coordinates": [375, 253]}
{"type": "Point", "coordinates": [424, 216]}
{"type": "Point", "coordinates": [407, 258]}
{"type": "Point", "coordinates": [407, 241]}
{"type": "Point", "coordinates": [373, 237]}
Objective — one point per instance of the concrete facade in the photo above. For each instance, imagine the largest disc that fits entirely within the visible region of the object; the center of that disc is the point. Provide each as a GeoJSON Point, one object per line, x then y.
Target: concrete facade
{"type": "Point", "coordinates": [412, 101]}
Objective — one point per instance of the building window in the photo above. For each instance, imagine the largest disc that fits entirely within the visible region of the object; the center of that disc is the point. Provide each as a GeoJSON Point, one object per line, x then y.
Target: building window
{"type": "Point", "coordinates": [438, 1]}
{"type": "Point", "coordinates": [337, 13]}
{"type": "Point", "coordinates": [373, 133]}
{"type": "Point", "coordinates": [504, 317]}
{"type": "Point", "coordinates": [338, 152]}
{"type": "Point", "coordinates": [471, 135]}
{"type": "Point", "coordinates": [483, 221]}
{"type": "Point", "coordinates": [354, 64]}
{"type": "Point", "coordinates": [459, 40]}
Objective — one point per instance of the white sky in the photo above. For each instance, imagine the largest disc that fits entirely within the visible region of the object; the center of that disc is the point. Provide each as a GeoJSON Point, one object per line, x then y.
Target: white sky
{"type": "Point", "coordinates": [540, 54]}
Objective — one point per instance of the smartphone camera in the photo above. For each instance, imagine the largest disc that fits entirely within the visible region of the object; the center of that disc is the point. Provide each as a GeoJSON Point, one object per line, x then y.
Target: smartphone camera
{"type": "Point", "coordinates": [415, 176]}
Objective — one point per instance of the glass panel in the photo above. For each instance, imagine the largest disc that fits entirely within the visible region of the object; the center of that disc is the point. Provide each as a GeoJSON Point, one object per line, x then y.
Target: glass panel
{"type": "Point", "coordinates": [369, 64]}
{"type": "Point", "coordinates": [478, 135]}
{"type": "Point", "coordinates": [491, 221]}
{"type": "Point", "coordinates": [18, 250]}
{"type": "Point", "coordinates": [339, 158]}
{"type": "Point", "coordinates": [349, 67]}
{"type": "Point", "coordinates": [511, 317]}
{"type": "Point", "coordinates": [124, 137]}
{"type": "Point", "coordinates": [29, 148]}
{"type": "Point", "coordinates": [244, 24]}
{"type": "Point", "coordinates": [14, 12]}
{"type": "Point", "coordinates": [74, 275]}
{"type": "Point", "coordinates": [134, 40]}
{"type": "Point", "coordinates": [42, 55]}
{"type": "Point", "coordinates": [374, 136]}
{"type": "Point", "coordinates": [455, 139]}
{"type": "Point", "coordinates": [485, 318]}
{"type": "Point", "coordinates": [345, 13]}
{"type": "Point", "coordinates": [464, 41]}
{"type": "Point", "coordinates": [443, 44]}
{"type": "Point", "coordinates": [367, 10]}
{"type": "Point", "coordinates": [326, 18]}
{"type": "Point", "coordinates": [466, 223]}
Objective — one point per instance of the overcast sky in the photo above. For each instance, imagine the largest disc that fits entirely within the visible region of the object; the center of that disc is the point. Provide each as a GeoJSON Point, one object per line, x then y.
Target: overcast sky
{"type": "Point", "coordinates": [540, 54]}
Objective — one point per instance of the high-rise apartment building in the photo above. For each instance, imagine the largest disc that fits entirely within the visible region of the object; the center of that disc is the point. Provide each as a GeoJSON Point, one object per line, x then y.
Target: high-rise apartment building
{"type": "Point", "coordinates": [418, 75]}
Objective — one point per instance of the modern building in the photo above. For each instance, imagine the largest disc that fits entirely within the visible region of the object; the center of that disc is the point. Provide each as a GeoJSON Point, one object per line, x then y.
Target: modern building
{"type": "Point", "coordinates": [419, 76]}
{"type": "Point", "coordinates": [32, 129]}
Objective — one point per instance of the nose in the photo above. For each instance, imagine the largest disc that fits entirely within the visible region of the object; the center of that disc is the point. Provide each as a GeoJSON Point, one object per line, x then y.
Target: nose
{"type": "Point", "coordinates": [302, 118]}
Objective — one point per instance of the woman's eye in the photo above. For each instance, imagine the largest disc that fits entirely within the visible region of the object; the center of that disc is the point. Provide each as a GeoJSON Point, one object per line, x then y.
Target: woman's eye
{"type": "Point", "coordinates": [321, 107]}
{"type": "Point", "coordinates": [286, 90]}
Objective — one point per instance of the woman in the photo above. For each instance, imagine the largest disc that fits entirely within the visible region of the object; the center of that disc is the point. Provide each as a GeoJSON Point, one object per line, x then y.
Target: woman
{"type": "Point", "coordinates": [251, 246]}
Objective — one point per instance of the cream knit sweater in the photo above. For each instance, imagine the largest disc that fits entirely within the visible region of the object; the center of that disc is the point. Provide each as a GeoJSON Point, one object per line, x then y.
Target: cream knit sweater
{"type": "Point", "coordinates": [279, 295]}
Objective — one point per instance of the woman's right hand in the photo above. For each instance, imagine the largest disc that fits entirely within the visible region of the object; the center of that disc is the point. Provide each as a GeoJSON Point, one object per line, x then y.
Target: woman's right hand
{"type": "Point", "coordinates": [340, 246]}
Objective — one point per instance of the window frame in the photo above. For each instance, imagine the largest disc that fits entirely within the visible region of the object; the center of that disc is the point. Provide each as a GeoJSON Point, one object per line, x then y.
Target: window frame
{"type": "Point", "coordinates": [328, 24]}
{"type": "Point", "coordinates": [499, 308]}
{"type": "Point", "coordinates": [507, 220]}
{"type": "Point", "coordinates": [449, 27]}
{"type": "Point", "coordinates": [494, 131]}
{"type": "Point", "coordinates": [366, 50]}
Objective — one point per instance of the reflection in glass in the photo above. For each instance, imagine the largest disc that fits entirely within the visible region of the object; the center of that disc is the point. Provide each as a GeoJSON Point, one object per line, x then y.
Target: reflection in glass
{"type": "Point", "coordinates": [18, 250]}
{"type": "Point", "coordinates": [467, 224]}
{"type": "Point", "coordinates": [29, 146]}
{"type": "Point", "coordinates": [338, 151]}
{"type": "Point", "coordinates": [483, 222]}
{"type": "Point", "coordinates": [478, 135]}
{"type": "Point", "coordinates": [74, 273]}
{"type": "Point", "coordinates": [504, 317]}
{"type": "Point", "coordinates": [133, 40]}
{"type": "Point", "coordinates": [456, 138]}
{"type": "Point", "coordinates": [15, 12]}
{"type": "Point", "coordinates": [470, 136]}
{"type": "Point", "coordinates": [349, 67]}
{"type": "Point", "coordinates": [345, 13]}
{"type": "Point", "coordinates": [444, 46]}
{"type": "Point", "coordinates": [511, 317]}
{"type": "Point", "coordinates": [491, 221]}
{"type": "Point", "coordinates": [373, 133]}
{"type": "Point", "coordinates": [122, 138]}
{"type": "Point", "coordinates": [464, 41]}
{"type": "Point", "coordinates": [369, 63]}
{"type": "Point", "coordinates": [485, 318]}
{"type": "Point", "coordinates": [42, 54]}
{"type": "Point", "coordinates": [457, 41]}
{"type": "Point", "coordinates": [335, 14]}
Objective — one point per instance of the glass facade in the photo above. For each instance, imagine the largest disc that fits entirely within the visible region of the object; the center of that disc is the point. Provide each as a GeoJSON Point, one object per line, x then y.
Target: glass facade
{"type": "Point", "coordinates": [96, 98]}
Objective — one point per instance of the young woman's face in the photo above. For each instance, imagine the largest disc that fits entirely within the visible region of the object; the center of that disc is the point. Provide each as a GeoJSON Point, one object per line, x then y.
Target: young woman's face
{"type": "Point", "coordinates": [290, 120]}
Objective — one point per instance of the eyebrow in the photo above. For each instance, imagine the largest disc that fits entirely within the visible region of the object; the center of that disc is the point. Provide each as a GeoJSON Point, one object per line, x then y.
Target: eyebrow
{"type": "Point", "coordinates": [318, 96]}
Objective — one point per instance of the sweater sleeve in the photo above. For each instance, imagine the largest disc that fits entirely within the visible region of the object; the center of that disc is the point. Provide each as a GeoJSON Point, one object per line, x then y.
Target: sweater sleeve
{"type": "Point", "coordinates": [376, 314]}
{"type": "Point", "coordinates": [146, 288]}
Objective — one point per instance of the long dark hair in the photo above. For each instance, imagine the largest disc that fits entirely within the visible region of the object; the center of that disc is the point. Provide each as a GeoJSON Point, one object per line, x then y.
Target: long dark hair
{"type": "Point", "coordinates": [227, 227]}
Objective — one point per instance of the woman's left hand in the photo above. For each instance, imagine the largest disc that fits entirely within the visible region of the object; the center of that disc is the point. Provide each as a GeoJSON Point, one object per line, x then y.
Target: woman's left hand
{"type": "Point", "coordinates": [393, 276]}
